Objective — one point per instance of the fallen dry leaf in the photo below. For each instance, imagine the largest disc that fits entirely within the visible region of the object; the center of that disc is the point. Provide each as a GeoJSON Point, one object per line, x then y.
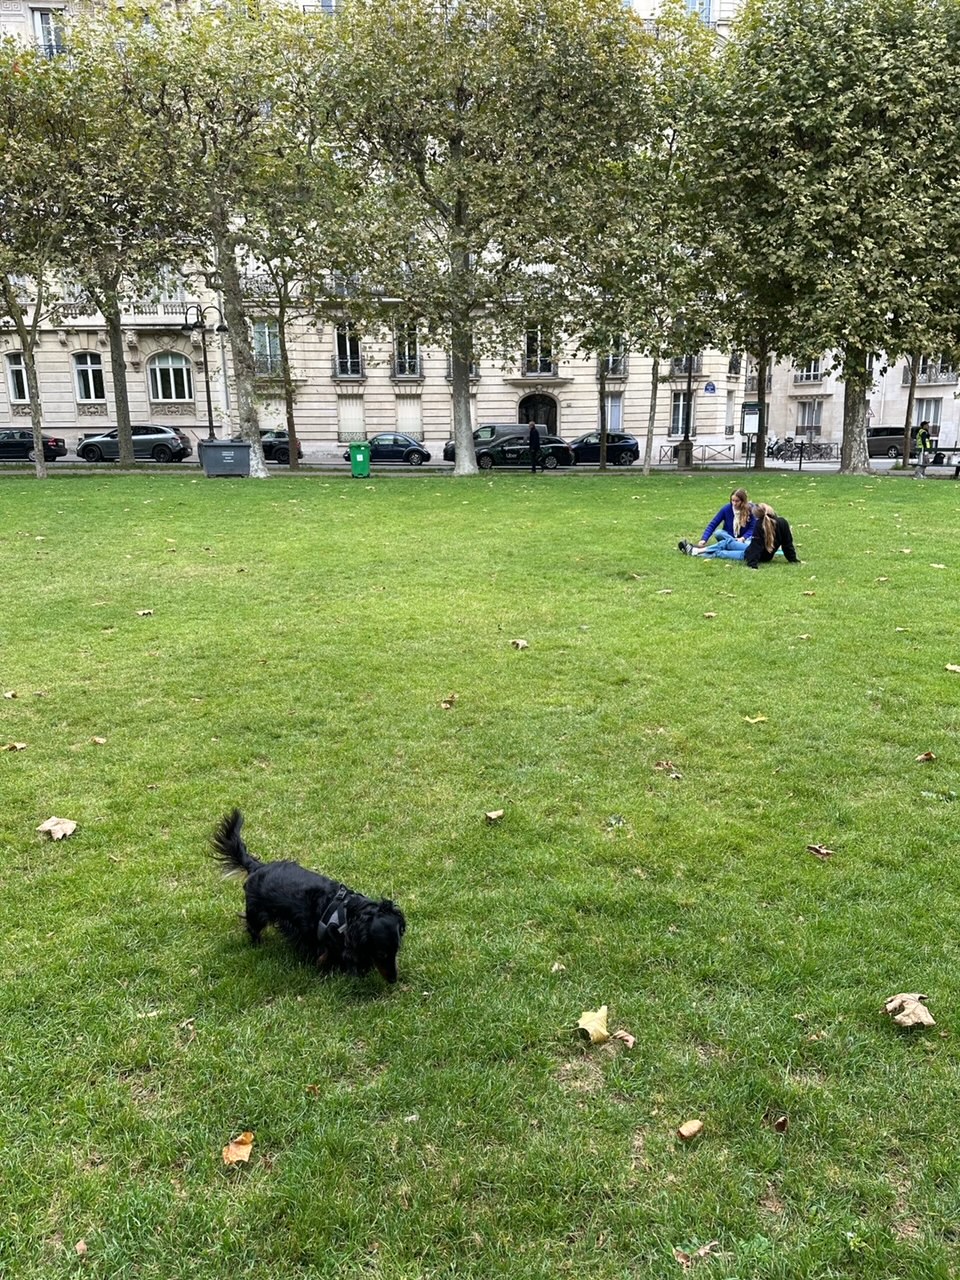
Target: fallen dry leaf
{"type": "Point", "coordinates": [557, 967]}
{"type": "Point", "coordinates": [238, 1151]}
{"type": "Point", "coordinates": [925, 755]}
{"type": "Point", "coordinates": [951, 666]}
{"type": "Point", "coordinates": [938, 566]}
{"type": "Point", "coordinates": [667, 591]}
{"type": "Point", "coordinates": [908, 1010]}
{"type": "Point", "coordinates": [11, 693]}
{"type": "Point", "coordinates": [882, 579]}
{"type": "Point", "coordinates": [755, 719]}
{"type": "Point", "coordinates": [520, 644]}
{"type": "Point", "coordinates": [57, 828]}
{"type": "Point", "coordinates": [809, 593]}
{"type": "Point", "coordinates": [448, 701]}
{"type": "Point", "coordinates": [905, 551]}
{"type": "Point", "coordinates": [14, 746]}
{"type": "Point", "coordinates": [689, 1130]}
{"type": "Point", "coordinates": [99, 741]}
{"type": "Point", "coordinates": [709, 615]}
{"type": "Point", "coordinates": [626, 1037]}
{"type": "Point", "coordinates": [688, 1260]}
{"type": "Point", "coordinates": [80, 1248]}
{"type": "Point", "coordinates": [593, 1025]}
{"type": "Point", "coordinates": [494, 815]}
{"type": "Point", "coordinates": [819, 851]}
{"type": "Point", "coordinates": [805, 636]}
{"type": "Point", "coordinates": [144, 613]}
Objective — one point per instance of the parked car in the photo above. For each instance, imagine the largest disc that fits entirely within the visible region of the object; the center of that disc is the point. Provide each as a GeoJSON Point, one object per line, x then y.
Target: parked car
{"type": "Point", "coordinates": [621, 450]}
{"type": "Point", "coordinates": [162, 444]}
{"type": "Point", "coordinates": [887, 442]}
{"type": "Point", "coordinates": [276, 445]}
{"type": "Point", "coordinates": [487, 432]}
{"type": "Point", "coordinates": [19, 444]}
{"type": "Point", "coordinates": [514, 451]}
{"type": "Point", "coordinates": [391, 446]}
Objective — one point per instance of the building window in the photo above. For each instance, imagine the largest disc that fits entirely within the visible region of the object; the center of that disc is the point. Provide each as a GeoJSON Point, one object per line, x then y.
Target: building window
{"type": "Point", "coordinates": [348, 360]}
{"type": "Point", "coordinates": [702, 9]}
{"type": "Point", "coordinates": [614, 412]}
{"type": "Point", "coordinates": [538, 355]}
{"type": "Point", "coordinates": [48, 31]}
{"type": "Point", "coordinates": [17, 378]}
{"type": "Point", "coordinates": [409, 416]}
{"type": "Point", "coordinates": [927, 411]}
{"type": "Point", "coordinates": [678, 412]}
{"type": "Point", "coordinates": [171, 377]}
{"type": "Point", "coordinates": [406, 352]}
{"type": "Point", "coordinates": [350, 423]}
{"type": "Point", "coordinates": [809, 417]}
{"type": "Point", "coordinates": [266, 348]}
{"type": "Point", "coordinates": [88, 373]}
{"type": "Point", "coordinates": [614, 364]}
{"type": "Point", "coordinates": [811, 372]}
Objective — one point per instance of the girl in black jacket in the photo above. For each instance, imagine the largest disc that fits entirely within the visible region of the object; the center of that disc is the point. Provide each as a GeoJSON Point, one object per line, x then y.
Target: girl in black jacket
{"type": "Point", "coordinates": [771, 534]}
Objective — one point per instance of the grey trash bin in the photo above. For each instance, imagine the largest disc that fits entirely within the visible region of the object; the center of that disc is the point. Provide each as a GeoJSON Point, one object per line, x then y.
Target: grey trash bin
{"type": "Point", "coordinates": [225, 457]}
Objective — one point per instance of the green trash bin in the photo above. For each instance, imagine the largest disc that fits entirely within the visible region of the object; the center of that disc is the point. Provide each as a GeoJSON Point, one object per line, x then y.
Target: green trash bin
{"type": "Point", "coordinates": [360, 459]}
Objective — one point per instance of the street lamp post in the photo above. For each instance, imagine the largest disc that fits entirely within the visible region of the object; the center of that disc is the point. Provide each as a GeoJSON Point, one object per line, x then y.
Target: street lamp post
{"type": "Point", "coordinates": [685, 447]}
{"type": "Point", "coordinates": [194, 320]}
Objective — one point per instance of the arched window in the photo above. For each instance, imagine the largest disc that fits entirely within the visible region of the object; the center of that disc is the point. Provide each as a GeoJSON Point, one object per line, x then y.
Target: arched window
{"type": "Point", "coordinates": [88, 370]}
{"type": "Point", "coordinates": [171, 377]}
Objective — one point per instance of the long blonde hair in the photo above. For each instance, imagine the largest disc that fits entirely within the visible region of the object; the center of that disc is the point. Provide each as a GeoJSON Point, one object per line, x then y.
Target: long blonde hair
{"type": "Point", "coordinates": [741, 514]}
{"type": "Point", "coordinates": [768, 523]}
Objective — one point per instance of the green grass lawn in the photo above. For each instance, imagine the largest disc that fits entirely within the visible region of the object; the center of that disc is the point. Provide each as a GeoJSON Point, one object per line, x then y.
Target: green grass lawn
{"type": "Point", "coordinates": [303, 634]}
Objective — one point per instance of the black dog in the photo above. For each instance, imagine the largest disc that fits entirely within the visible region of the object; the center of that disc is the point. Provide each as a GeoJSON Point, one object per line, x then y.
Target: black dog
{"type": "Point", "coordinates": [330, 925]}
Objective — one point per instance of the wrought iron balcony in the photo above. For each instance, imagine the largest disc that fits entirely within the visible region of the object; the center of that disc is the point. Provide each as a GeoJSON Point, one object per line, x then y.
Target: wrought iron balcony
{"type": "Point", "coordinates": [349, 366]}
{"type": "Point", "coordinates": [932, 375]}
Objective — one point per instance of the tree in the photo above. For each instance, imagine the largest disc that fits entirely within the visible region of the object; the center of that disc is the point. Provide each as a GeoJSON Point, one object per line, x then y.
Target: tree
{"type": "Point", "coordinates": [128, 220]}
{"type": "Point", "coordinates": [822, 181]}
{"type": "Point", "coordinates": [38, 183]}
{"type": "Point", "coordinates": [469, 123]}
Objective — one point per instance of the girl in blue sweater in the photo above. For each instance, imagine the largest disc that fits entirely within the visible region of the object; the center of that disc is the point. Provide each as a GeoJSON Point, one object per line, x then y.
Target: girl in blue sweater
{"type": "Point", "coordinates": [738, 523]}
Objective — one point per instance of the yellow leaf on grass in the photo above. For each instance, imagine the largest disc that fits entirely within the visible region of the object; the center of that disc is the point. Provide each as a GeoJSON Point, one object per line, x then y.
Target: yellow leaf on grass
{"type": "Point", "coordinates": [626, 1037]}
{"type": "Point", "coordinates": [755, 719]}
{"type": "Point", "coordinates": [709, 615]}
{"type": "Point", "coordinates": [448, 701]}
{"type": "Point", "coordinates": [520, 644]}
{"type": "Point", "coordinates": [689, 1130]}
{"type": "Point", "coordinates": [144, 613]}
{"type": "Point", "coordinates": [494, 815]}
{"type": "Point", "coordinates": [924, 756]}
{"type": "Point", "coordinates": [593, 1025]}
{"type": "Point", "coordinates": [57, 828]}
{"type": "Point", "coordinates": [688, 1260]}
{"type": "Point", "coordinates": [14, 746]}
{"type": "Point", "coordinates": [952, 666]}
{"type": "Point", "coordinates": [907, 1009]}
{"type": "Point", "coordinates": [238, 1151]}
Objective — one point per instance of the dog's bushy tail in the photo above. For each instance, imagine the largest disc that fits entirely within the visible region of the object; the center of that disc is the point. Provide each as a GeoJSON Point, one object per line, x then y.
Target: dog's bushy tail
{"type": "Point", "coordinates": [229, 849]}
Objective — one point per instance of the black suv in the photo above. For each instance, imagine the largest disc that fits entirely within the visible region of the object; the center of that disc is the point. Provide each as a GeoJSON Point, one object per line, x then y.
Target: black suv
{"type": "Point", "coordinates": [489, 432]}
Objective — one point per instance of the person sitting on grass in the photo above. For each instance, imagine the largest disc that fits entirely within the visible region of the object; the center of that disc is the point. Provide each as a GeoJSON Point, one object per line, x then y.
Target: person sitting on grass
{"type": "Point", "coordinates": [733, 521]}
{"type": "Point", "coordinates": [771, 534]}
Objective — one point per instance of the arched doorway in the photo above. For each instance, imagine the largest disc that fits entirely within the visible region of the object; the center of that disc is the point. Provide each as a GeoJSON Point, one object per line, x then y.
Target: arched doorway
{"type": "Point", "coordinates": [541, 409]}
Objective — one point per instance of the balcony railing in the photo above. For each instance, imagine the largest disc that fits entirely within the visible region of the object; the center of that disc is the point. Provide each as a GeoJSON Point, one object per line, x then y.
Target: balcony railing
{"type": "Point", "coordinates": [267, 365]}
{"type": "Point", "coordinates": [473, 372]}
{"type": "Point", "coordinates": [808, 375]}
{"type": "Point", "coordinates": [932, 375]}
{"type": "Point", "coordinates": [613, 366]}
{"type": "Point", "coordinates": [678, 366]}
{"type": "Point", "coordinates": [538, 367]}
{"type": "Point", "coordinates": [349, 366]}
{"type": "Point", "coordinates": [407, 368]}
{"type": "Point", "coordinates": [750, 384]}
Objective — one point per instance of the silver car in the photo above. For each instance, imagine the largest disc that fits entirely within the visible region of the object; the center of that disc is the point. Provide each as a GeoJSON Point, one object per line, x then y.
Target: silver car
{"type": "Point", "coordinates": [162, 444]}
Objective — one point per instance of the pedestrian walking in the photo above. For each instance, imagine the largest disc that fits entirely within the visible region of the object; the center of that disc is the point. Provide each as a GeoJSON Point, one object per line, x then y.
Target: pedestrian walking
{"type": "Point", "coordinates": [535, 451]}
{"type": "Point", "coordinates": [924, 442]}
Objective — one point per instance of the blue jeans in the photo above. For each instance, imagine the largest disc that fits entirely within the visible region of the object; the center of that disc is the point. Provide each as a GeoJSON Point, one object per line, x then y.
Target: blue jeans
{"type": "Point", "coordinates": [726, 547]}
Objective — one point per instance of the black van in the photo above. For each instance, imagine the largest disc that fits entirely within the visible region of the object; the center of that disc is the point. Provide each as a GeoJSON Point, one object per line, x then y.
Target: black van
{"type": "Point", "coordinates": [488, 432]}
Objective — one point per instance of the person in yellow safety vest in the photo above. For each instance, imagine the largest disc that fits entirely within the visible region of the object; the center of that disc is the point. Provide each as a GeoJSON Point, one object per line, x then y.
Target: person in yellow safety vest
{"type": "Point", "coordinates": [924, 441]}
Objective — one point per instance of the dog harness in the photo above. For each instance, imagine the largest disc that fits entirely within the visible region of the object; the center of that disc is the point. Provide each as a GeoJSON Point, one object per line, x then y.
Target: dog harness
{"type": "Point", "coordinates": [336, 917]}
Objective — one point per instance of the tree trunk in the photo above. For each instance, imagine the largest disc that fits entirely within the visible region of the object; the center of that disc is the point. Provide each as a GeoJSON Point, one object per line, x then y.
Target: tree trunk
{"type": "Point", "coordinates": [854, 457]}
{"type": "Point", "coordinates": [28, 344]}
{"type": "Point", "coordinates": [652, 415]}
{"type": "Point", "coordinates": [110, 305]}
{"type": "Point", "coordinates": [602, 381]}
{"type": "Point", "coordinates": [460, 356]}
{"type": "Point", "coordinates": [241, 348]}
{"type": "Point", "coordinates": [908, 417]}
{"type": "Point", "coordinates": [760, 451]}
{"type": "Point", "coordinates": [287, 383]}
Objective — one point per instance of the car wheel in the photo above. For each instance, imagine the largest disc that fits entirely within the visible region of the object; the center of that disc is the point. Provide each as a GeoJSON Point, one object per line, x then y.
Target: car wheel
{"type": "Point", "coordinates": [162, 453]}
{"type": "Point", "coordinates": [485, 462]}
{"type": "Point", "coordinates": [415, 459]}
{"type": "Point", "coordinates": [550, 463]}
{"type": "Point", "coordinates": [282, 456]}
{"type": "Point", "coordinates": [92, 453]}
{"type": "Point", "coordinates": [31, 455]}
{"type": "Point", "coordinates": [625, 459]}
{"type": "Point", "coordinates": [893, 452]}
